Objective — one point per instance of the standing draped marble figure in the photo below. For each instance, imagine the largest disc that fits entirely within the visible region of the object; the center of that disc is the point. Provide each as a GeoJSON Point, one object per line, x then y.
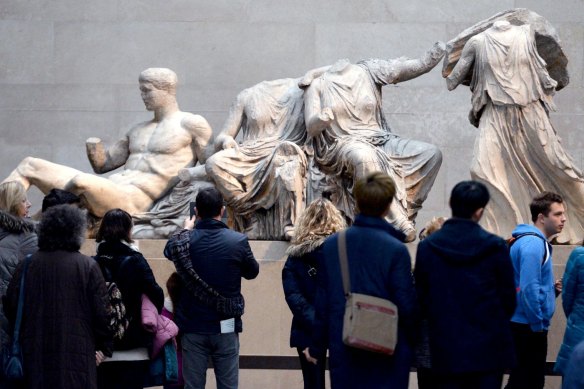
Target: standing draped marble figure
{"type": "Point", "coordinates": [351, 137]}
{"type": "Point", "coordinates": [517, 153]}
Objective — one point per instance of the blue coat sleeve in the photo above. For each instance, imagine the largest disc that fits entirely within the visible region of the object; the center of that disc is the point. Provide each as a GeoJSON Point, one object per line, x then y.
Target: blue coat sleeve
{"type": "Point", "coordinates": [421, 278]}
{"type": "Point", "coordinates": [321, 304]}
{"type": "Point", "coordinates": [505, 279]}
{"type": "Point", "coordinates": [250, 268]}
{"type": "Point", "coordinates": [299, 305]}
{"type": "Point", "coordinates": [570, 280]}
{"type": "Point", "coordinates": [530, 281]}
{"type": "Point", "coordinates": [403, 290]}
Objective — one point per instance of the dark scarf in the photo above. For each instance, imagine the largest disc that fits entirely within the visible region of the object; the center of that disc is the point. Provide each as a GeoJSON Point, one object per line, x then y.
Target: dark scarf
{"type": "Point", "coordinates": [179, 253]}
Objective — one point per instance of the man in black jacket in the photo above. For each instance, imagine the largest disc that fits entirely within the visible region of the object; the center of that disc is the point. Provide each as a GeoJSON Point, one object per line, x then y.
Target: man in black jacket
{"type": "Point", "coordinates": [464, 280]}
{"type": "Point", "coordinates": [209, 311]}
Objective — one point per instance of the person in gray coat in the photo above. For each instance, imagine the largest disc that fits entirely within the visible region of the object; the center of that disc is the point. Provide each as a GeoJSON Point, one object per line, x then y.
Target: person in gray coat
{"type": "Point", "coordinates": [17, 239]}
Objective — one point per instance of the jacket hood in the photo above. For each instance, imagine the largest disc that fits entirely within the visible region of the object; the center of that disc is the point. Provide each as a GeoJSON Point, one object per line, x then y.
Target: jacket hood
{"type": "Point", "coordinates": [377, 222]}
{"type": "Point", "coordinates": [527, 228]}
{"type": "Point", "coordinates": [10, 224]}
{"type": "Point", "coordinates": [303, 248]}
{"type": "Point", "coordinates": [462, 241]}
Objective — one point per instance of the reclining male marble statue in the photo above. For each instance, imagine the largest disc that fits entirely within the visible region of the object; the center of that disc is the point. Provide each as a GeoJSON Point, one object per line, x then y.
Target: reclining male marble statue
{"type": "Point", "coordinates": [151, 153]}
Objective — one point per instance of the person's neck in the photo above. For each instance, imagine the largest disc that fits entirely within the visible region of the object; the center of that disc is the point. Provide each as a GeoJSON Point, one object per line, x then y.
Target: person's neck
{"type": "Point", "coordinates": [165, 111]}
{"type": "Point", "coordinates": [540, 227]}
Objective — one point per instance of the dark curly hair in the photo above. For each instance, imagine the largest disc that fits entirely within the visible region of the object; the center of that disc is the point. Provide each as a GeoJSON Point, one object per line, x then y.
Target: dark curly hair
{"type": "Point", "coordinates": [62, 227]}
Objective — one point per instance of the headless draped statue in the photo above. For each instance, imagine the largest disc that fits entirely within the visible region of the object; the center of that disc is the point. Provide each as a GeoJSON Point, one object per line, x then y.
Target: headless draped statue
{"type": "Point", "coordinates": [263, 179]}
{"type": "Point", "coordinates": [517, 153]}
{"type": "Point", "coordinates": [351, 137]}
{"type": "Point", "coordinates": [151, 154]}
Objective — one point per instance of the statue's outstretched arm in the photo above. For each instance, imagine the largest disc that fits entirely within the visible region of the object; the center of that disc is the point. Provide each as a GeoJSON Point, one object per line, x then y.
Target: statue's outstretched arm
{"type": "Point", "coordinates": [407, 68]}
{"type": "Point", "coordinates": [463, 66]}
{"type": "Point", "coordinates": [232, 125]}
{"type": "Point", "coordinates": [104, 159]}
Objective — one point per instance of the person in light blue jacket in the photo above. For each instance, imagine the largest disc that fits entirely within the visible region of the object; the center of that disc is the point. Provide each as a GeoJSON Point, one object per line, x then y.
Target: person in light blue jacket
{"type": "Point", "coordinates": [531, 256]}
{"type": "Point", "coordinates": [573, 377]}
{"type": "Point", "coordinates": [573, 304]}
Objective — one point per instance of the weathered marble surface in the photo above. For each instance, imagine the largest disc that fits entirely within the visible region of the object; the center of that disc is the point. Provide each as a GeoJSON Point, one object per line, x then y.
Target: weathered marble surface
{"type": "Point", "coordinates": [151, 154]}
{"type": "Point", "coordinates": [263, 177]}
{"type": "Point", "coordinates": [351, 138]}
{"type": "Point", "coordinates": [517, 153]}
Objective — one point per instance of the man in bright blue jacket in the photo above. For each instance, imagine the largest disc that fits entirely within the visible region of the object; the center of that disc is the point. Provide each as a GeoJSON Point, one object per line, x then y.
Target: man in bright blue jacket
{"type": "Point", "coordinates": [531, 255]}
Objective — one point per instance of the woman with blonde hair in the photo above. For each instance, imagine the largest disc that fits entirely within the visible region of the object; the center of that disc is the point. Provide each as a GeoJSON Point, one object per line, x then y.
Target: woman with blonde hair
{"type": "Point", "coordinates": [17, 240]}
{"type": "Point", "coordinates": [318, 221]}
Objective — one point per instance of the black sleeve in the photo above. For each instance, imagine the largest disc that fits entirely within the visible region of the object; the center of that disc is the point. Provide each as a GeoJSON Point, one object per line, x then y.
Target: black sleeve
{"type": "Point", "coordinates": [99, 301]}
{"type": "Point", "coordinates": [250, 268]}
{"type": "Point", "coordinates": [149, 285]}
{"type": "Point", "coordinates": [298, 304]}
{"type": "Point", "coordinates": [506, 279]}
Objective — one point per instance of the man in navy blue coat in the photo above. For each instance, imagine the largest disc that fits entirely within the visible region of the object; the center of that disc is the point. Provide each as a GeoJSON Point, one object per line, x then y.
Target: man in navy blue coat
{"type": "Point", "coordinates": [379, 265]}
{"type": "Point", "coordinates": [464, 280]}
{"type": "Point", "coordinates": [220, 257]}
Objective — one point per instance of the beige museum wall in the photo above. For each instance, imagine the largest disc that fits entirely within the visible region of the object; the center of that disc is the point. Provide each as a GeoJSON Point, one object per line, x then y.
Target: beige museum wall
{"type": "Point", "coordinates": [68, 69]}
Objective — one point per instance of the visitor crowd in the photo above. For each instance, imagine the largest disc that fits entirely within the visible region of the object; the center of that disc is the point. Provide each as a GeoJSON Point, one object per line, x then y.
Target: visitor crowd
{"type": "Point", "coordinates": [475, 306]}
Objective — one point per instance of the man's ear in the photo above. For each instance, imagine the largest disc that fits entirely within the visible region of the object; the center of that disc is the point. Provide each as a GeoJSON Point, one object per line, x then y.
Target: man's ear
{"type": "Point", "coordinates": [478, 214]}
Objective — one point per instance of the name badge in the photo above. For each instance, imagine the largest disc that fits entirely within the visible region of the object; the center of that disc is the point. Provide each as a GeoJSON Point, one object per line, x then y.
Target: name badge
{"type": "Point", "coordinates": [227, 326]}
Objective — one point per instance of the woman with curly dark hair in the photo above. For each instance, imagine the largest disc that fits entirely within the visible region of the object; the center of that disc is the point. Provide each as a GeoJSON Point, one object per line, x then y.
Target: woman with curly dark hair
{"type": "Point", "coordinates": [121, 262]}
{"type": "Point", "coordinates": [64, 318]}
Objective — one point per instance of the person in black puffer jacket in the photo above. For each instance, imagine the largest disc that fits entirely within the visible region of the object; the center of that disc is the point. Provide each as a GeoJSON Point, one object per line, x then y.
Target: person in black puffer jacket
{"type": "Point", "coordinates": [319, 220]}
{"type": "Point", "coordinates": [118, 257]}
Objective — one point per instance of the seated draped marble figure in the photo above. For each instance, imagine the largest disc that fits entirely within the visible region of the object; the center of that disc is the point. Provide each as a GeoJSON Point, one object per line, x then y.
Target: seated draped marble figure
{"type": "Point", "coordinates": [351, 137]}
{"type": "Point", "coordinates": [151, 154]}
{"type": "Point", "coordinates": [263, 179]}
{"type": "Point", "coordinates": [518, 153]}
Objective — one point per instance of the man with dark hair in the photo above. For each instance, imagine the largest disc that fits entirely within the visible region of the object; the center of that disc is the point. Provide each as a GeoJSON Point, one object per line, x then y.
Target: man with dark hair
{"type": "Point", "coordinates": [59, 197]}
{"type": "Point", "coordinates": [379, 265]}
{"type": "Point", "coordinates": [210, 315]}
{"type": "Point", "coordinates": [464, 280]}
{"type": "Point", "coordinates": [531, 255]}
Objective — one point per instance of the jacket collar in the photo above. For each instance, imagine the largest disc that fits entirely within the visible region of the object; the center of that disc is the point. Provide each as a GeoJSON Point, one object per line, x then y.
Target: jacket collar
{"type": "Point", "coordinates": [10, 224]}
{"type": "Point", "coordinates": [380, 223]}
{"type": "Point", "coordinates": [210, 224]}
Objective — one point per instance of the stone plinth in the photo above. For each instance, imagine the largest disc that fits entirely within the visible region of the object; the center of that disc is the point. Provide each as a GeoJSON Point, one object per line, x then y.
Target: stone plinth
{"type": "Point", "coordinates": [267, 319]}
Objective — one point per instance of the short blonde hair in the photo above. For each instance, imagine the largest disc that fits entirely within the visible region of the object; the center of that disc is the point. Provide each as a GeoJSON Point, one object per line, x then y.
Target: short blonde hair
{"type": "Point", "coordinates": [320, 219]}
{"type": "Point", "coordinates": [12, 194]}
{"type": "Point", "coordinates": [374, 193]}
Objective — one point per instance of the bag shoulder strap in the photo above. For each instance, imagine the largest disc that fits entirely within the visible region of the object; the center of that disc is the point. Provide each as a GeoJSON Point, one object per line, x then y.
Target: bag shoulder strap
{"type": "Point", "coordinates": [546, 248]}
{"type": "Point", "coordinates": [342, 246]}
{"type": "Point", "coordinates": [20, 299]}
